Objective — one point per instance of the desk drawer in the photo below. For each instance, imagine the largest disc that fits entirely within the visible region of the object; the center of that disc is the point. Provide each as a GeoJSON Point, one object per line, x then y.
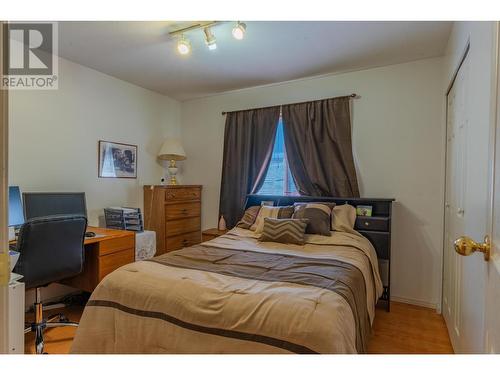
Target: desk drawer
{"type": "Point", "coordinates": [111, 262]}
{"type": "Point", "coordinates": [179, 211]}
{"type": "Point", "coordinates": [183, 194]}
{"type": "Point", "coordinates": [180, 226]}
{"type": "Point", "coordinates": [183, 240]}
{"type": "Point", "coordinates": [379, 223]}
{"type": "Point", "coordinates": [116, 244]}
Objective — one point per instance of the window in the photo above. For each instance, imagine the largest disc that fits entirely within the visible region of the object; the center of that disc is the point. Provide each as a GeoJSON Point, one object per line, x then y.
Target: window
{"type": "Point", "coordinates": [279, 180]}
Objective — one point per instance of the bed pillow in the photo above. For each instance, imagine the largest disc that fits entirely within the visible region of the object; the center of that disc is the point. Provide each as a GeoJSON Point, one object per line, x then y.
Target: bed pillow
{"type": "Point", "coordinates": [318, 214]}
{"type": "Point", "coordinates": [343, 218]}
{"type": "Point", "coordinates": [328, 204]}
{"type": "Point", "coordinates": [274, 212]}
{"type": "Point", "coordinates": [290, 231]}
{"type": "Point", "coordinates": [248, 217]}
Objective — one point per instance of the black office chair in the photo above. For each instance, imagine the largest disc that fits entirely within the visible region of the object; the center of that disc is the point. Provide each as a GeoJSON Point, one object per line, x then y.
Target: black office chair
{"type": "Point", "coordinates": [51, 250]}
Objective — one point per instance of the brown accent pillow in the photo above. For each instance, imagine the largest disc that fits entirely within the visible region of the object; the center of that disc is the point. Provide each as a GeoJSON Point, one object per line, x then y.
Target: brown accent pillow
{"type": "Point", "coordinates": [248, 217]}
{"type": "Point", "coordinates": [329, 204]}
{"type": "Point", "coordinates": [318, 214]}
{"type": "Point", "coordinates": [284, 230]}
{"type": "Point", "coordinates": [275, 212]}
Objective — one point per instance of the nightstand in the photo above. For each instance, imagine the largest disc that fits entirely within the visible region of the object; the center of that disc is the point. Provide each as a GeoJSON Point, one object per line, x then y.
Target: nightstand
{"type": "Point", "coordinates": [378, 231]}
{"type": "Point", "coordinates": [210, 234]}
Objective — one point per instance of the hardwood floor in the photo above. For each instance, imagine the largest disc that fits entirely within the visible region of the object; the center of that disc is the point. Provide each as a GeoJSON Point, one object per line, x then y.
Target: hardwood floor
{"type": "Point", "coordinates": [57, 340]}
{"type": "Point", "coordinates": [406, 329]}
{"type": "Point", "coordinates": [409, 329]}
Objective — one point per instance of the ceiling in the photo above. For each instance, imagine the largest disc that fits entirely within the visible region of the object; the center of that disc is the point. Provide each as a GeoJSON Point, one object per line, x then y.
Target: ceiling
{"type": "Point", "coordinates": [144, 54]}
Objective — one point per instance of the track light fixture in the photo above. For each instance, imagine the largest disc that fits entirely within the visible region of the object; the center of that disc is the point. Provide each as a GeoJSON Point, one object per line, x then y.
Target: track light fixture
{"type": "Point", "coordinates": [210, 38]}
{"type": "Point", "coordinates": [239, 30]}
{"type": "Point", "coordinates": [183, 45]}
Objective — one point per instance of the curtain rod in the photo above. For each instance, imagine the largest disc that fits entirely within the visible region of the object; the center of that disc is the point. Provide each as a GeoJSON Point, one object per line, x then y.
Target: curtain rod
{"type": "Point", "coordinates": [354, 96]}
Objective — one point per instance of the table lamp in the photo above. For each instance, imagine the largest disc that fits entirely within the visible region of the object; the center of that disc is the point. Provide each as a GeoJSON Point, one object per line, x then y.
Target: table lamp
{"type": "Point", "coordinates": [173, 151]}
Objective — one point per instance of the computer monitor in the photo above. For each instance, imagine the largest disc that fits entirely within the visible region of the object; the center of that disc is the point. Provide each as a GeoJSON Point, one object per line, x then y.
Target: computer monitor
{"type": "Point", "coordinates": [46, 204]}
{"type": "Point", "coordinates": [16, 215]}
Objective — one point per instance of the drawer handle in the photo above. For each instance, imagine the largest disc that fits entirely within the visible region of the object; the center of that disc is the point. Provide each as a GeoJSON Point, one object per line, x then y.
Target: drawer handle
{"type": "Point", "coordinates": [367, 223]}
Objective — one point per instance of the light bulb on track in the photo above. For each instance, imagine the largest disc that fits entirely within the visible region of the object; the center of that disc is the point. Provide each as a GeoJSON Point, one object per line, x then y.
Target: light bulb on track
{"type": "Point", "coordinates": [183, 46]}
{"type": "Point", "coordinates": [210, 39]}
{"type": "Point", "coordinates": [239, 30]}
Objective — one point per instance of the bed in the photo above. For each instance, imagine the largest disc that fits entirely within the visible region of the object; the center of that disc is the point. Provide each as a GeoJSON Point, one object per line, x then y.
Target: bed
{"type": "Point", "coordinates": [235, 294]}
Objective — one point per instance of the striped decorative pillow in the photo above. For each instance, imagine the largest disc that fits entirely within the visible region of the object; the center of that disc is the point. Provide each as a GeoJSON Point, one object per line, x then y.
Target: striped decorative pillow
{"type": "Point", "coordinates": [284, 230]}
{"type": "Point", "coordinates": [249, 217]}
{"type": "Point", "coordinates": [278, 212]}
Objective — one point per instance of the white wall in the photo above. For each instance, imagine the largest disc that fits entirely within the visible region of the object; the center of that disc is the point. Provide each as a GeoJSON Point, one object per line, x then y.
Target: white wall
{"type": "Point", "coordinates": [398, 143]}
{"type": "Point", "coordinates": [54, 134]}
{"type": "Point", "coordinates": [53, 138]}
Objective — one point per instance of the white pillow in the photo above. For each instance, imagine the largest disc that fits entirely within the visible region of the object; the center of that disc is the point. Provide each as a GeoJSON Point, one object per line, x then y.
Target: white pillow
{"type": "Point", "coordinates": [343, 218]}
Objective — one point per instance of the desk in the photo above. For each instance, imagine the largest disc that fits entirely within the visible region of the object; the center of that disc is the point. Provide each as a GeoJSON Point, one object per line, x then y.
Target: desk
{"type": "Point", "coordinates": [104, 253]}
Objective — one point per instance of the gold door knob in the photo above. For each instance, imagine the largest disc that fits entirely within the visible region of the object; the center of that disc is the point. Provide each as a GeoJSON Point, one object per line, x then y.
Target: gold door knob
{"type": "Point", "coordinates": [466, 246]}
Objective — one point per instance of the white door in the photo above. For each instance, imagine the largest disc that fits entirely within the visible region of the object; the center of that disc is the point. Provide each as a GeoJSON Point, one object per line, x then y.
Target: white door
{"type": "Point", "coordinates": [492, 317]}
{"type": "Point", "coordinates": [471, 285]}
{"type": "Point", "coordinates": [4, 270]}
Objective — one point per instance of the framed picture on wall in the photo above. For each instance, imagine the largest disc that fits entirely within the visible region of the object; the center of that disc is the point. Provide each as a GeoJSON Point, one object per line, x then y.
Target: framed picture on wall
{"type": "Point", "coordinates": [117, 160]}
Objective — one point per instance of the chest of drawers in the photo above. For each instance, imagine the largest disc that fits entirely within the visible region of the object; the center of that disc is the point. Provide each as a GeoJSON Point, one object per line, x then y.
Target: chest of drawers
{"type": "Point", "coordinates": [174, 213]}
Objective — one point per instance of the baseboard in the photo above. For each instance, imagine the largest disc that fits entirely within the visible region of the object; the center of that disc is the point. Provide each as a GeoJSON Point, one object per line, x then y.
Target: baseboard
{"type": "Point", "coordinates": [415, 302]}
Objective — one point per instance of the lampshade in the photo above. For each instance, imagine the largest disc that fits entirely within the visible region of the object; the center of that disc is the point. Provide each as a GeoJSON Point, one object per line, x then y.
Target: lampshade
{"type": "Point", "coordinates": [172, 150]}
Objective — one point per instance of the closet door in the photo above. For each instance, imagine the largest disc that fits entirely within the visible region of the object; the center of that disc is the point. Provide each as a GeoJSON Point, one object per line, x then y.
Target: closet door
{"type": "Point", "coordinates": [456, 176]}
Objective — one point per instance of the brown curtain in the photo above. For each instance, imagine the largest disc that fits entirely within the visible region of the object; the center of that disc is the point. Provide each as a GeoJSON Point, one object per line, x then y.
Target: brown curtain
{"type": "Point", "coordinates": [319, 147]}
{"type": "Point", "coordinates": [248, 145]}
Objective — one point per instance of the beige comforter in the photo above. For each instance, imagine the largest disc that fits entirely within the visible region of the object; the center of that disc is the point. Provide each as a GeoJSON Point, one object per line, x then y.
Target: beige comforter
{"type": "Point", "coordinates": [235, 294]}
